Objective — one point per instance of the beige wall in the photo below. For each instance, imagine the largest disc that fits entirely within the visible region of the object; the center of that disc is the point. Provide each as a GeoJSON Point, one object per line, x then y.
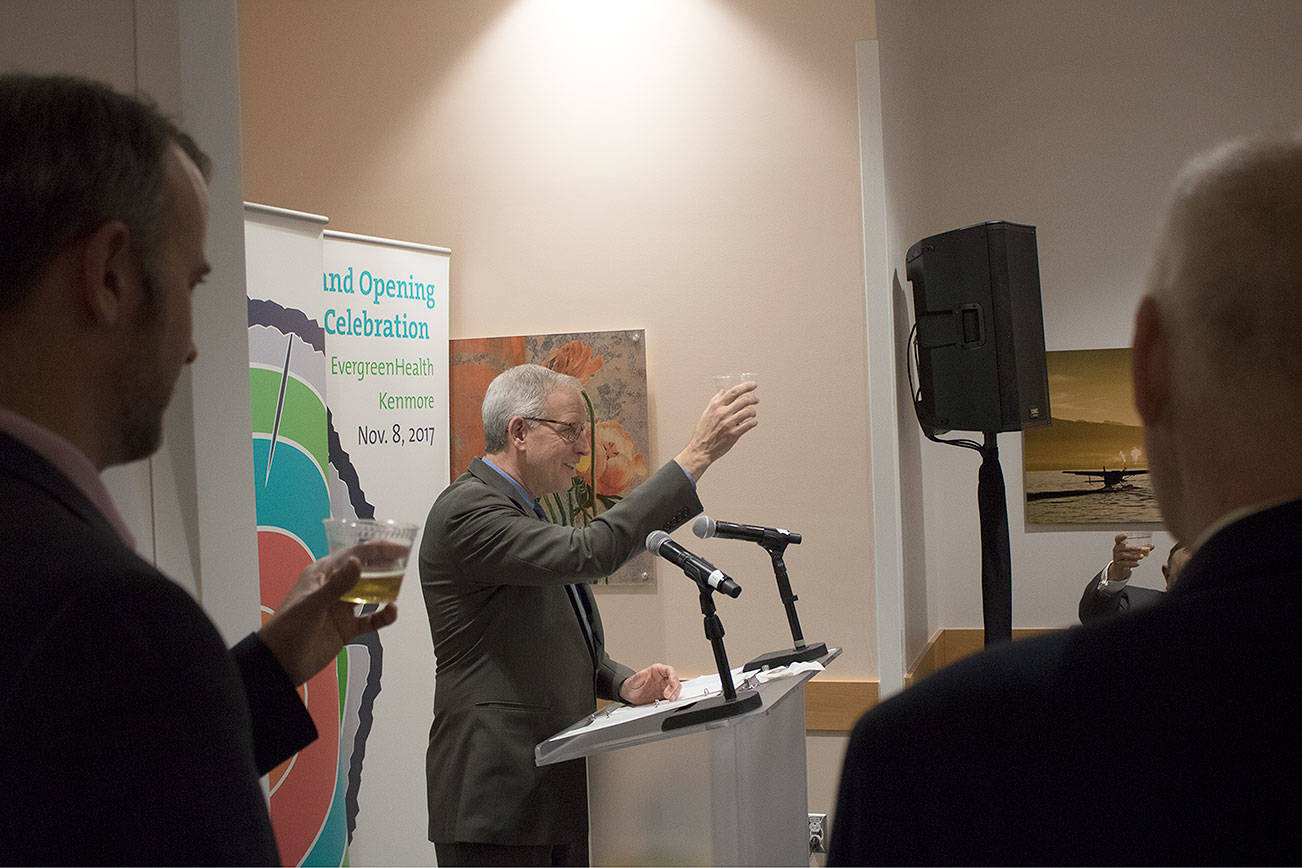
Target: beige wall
{"type": "Point", "coordinates": [690, 168]}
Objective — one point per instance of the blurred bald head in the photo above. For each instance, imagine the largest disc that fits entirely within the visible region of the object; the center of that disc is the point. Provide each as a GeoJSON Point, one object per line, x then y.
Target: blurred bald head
{"type": "Point", "coordinates": [1218, 340]}
{"type": "Point", "coordinates": [1229, 268]}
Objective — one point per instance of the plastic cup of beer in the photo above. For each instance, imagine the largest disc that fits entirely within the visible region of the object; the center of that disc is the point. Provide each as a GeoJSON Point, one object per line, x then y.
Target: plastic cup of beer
{"type": "Point", "coordinates": [383, 546]}
{"type": "Point", "coordinates": [1140, 540]}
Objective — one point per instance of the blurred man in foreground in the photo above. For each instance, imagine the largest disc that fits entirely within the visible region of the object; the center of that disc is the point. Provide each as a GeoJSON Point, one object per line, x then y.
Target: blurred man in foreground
{"type": "Point", "coordinates": [1169, 736]}
{"type": "Point", "coordinates": [128, 733]}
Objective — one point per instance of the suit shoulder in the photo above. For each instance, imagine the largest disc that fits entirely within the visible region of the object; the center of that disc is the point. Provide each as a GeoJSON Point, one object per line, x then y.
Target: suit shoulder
{"type": "Point", "coordinates": [1144, 596]}
{"type": "Point", "coordinates": [466, 492]}
{"type": "Point", "coordinates": [103, 594]}
{"type": "Point", "coordinates": [993, 688]}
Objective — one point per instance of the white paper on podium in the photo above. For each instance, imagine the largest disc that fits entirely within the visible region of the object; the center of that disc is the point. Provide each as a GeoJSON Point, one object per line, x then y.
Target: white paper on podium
{"type": "Point", "coordinates": [789, 671]}
{"type": "Point", "coordinates": [693, 690]}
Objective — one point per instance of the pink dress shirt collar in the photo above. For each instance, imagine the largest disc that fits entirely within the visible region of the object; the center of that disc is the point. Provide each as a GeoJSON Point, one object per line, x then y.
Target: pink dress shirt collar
{"type": "Point", "coordinates": [70, 461]}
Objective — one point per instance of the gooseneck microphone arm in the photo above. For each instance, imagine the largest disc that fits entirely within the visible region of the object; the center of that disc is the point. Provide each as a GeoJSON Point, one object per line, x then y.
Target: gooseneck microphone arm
{"type": "Point", "coordinates": [774, 541]}
{"type": "Point", "coordinates": [708, 579]}
{"type": "Point", "coordinates": [732, 702]}
{"type": "Point", "coordinates": [714, 632]}
{"type": "Point", "coordinates": [788, 596]}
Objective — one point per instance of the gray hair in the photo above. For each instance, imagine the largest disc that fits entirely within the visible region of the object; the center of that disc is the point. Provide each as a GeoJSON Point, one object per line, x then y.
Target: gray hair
{"type": "Point", "coordinates": [1228, 274]}
{"type": "Point", "coordinates": [518, 391]}
{"type": "Point", "coordinates": [75, 154]}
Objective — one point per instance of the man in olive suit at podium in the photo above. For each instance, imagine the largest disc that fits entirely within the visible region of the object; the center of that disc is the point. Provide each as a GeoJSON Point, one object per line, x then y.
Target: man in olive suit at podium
{"type": "Point", "coordinates": [1169, 735]}
{"type": "Point", "coordinates": [517, 636]}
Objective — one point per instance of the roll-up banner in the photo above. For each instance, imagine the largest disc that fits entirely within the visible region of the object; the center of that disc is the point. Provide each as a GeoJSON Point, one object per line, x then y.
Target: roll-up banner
{"type": "Point", "coordinates": [287, 379]}
{"type": "Point", "coordinates": [332, 370]}
{"type": "Point", "coordinates": [384, 307]}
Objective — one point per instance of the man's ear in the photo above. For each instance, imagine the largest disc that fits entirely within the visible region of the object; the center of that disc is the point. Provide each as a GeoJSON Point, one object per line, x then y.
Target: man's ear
{"type": "Point", "coordinates": [516, 430]}
{"type": "Point", "coordinates": [109, 272]}
{"type": "Point", "coordinates": [1150, 363]}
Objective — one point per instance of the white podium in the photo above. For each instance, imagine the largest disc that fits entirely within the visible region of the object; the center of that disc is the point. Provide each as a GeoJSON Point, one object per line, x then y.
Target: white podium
{"type": "Point", "coordinates": [730, 791]}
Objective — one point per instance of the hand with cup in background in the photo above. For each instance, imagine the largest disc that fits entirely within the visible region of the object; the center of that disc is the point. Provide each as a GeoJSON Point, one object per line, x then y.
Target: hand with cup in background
{"type": "Point", "coordinates": [1127, 551]}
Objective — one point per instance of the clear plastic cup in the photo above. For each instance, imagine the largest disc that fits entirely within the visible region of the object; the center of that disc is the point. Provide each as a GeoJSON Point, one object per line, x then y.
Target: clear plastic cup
{"type": "Point", "coordinates": [719, 382]}
{"type": "Point", "coordinates": [1140, 540]}
{"type": "Point", "coordinates": [382, 546]}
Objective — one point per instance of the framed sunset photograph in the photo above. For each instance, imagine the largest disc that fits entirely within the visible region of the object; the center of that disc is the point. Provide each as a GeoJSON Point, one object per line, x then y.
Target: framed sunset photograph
{"type": "Point", "coordinates": [1088, 467]}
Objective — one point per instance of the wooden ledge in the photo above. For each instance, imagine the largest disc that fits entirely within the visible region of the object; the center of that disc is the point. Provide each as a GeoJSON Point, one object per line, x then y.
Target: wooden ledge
{"type": "Point", "coordinates": [835, 706]}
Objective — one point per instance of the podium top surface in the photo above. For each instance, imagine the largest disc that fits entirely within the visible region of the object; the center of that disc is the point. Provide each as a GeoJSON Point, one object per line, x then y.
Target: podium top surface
{"type": "Point", "coordinates": [617, 725]}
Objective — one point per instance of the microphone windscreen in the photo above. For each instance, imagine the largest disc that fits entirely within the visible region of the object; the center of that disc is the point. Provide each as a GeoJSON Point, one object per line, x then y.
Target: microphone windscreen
{"type": "Point", "coordinates": [654, 540]}
{"type": "Point", "coordinates": [703, 527]}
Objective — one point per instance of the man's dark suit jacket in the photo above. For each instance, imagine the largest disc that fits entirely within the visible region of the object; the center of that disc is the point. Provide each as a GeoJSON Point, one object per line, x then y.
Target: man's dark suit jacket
{"type": "Point", "coordinates": [1095, 603]}
{"type": "Point", "coordinates": [125, 728]}
{"type": "Point", "coordinates": [1044, 751]}
{"type": "Point", "coordinates": [513, 666]}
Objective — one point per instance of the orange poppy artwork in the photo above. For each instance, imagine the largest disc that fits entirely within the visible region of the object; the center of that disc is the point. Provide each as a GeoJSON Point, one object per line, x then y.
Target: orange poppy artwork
{"type": "Point", "coordinates": [611, 367]}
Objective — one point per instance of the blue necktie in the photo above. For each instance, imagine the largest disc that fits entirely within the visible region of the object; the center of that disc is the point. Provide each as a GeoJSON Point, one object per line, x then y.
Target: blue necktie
{"type": "Point", "coordinates": [576, 600]}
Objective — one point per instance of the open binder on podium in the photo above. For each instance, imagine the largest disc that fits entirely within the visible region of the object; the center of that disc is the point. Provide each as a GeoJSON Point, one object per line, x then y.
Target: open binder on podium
{"type": "Point", "coordinates": [751, 811]}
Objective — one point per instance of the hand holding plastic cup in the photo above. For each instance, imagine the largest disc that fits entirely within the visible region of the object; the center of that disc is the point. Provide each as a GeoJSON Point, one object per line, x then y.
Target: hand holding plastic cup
{"type": "Point", "coordinates": [382, 546]}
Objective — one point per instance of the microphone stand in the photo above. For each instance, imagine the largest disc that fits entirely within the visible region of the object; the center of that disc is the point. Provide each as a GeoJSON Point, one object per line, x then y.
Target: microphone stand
{"type": "Point", "coordinates": [801, 651]}
{"type": "Point", "coordinates": [732, 702]}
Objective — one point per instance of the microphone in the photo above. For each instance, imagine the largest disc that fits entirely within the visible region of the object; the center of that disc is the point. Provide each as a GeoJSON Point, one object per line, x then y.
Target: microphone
{"type": "Point", "coordinates": [706, 527]}
{"type": "Point", "coordinates": [699, 570]}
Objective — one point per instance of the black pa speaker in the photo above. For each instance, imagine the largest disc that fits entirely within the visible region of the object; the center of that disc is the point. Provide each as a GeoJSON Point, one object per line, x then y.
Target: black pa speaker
{"type": "Point", "coordinates": [980, 330]}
